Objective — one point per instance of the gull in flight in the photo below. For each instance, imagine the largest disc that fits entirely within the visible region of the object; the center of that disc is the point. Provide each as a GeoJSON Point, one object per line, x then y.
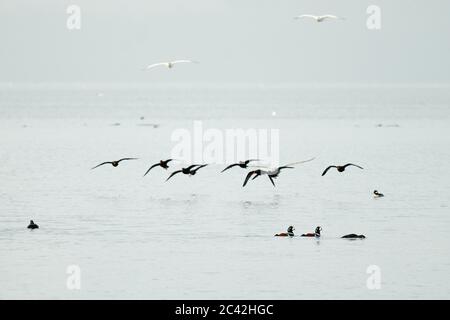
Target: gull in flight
{"type": "Point", "coordinates": [272, 173]}
{"type": "Point", "coordinates": [169, 64]}
{"type": "Point", "coordinates": [319, 18]}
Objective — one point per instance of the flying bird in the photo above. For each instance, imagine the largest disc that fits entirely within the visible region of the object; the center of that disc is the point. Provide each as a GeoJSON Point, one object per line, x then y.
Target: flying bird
{"type": "Point", "coordinates": [187, 170]}
{"type": "Point", "coordinates": [114, 163]}
{"type": "Point", "coordinates": [319, 18]}
{"type": "Point", "coordinates": [242, 164]}
{"type": "Point", "coordinates": [340, 168]}
{"type": "Point", "coordinates": [168, 64]}
{"type": "Point", "coordinates": [162, 163]}
{"type": "Point", "coordinates": [272, 173]}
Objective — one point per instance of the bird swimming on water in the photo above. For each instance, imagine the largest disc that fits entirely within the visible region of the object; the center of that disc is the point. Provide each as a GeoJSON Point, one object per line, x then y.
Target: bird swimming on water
{"type": "Point", "coordinates": [377, 194]}
{"type": "Point", "coordinates": [242, 164]}
{"type": "Point", "coordinates": [32, 225]}
{"type": "Point", "coordinates": [113, 163]}
{"type": "Point", "coordinates": [353, 236]}
{"type": "Point", "coordinates": [289, 233]}
{"type": "Point", "coordinates": [315, 234]}
{"type": "Point", "coordinates": [340, 168]}
{"type": "Point", "coordinates": [189, 170]}
{"type": "Point", "coordinates": [162, 163]}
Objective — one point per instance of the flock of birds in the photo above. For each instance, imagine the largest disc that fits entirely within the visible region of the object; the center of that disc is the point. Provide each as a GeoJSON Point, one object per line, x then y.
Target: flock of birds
{"type": "Point", "coordinates": [272, 173]}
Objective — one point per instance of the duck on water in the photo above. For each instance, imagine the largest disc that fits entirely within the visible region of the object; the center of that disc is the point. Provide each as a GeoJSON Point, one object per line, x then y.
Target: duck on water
{"type": "Point", "coordinates": [289, 233]}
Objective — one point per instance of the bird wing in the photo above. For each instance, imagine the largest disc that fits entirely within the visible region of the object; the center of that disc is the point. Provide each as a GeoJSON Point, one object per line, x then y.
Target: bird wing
{"type": "Point", "coordinates": [329, 16]}
{"type": "Point", "coordinates": [156, 65]}
{"type": "Point", "coordinates": [326, 170]}
{"type": "Point", "coordinates": [230, 166]}
{"type": "Point", "coordinates": [182, 61]}
{"type": "Point", "coordinates": [285, 167]}
{"type": "Point", "coordinates": [168, 160]}
{"type": "Point", "coordinates": [199, 167]}
{"type": "Point", "coordinates": [248, 177]}
{"type": "Point", "coordinates": [299, 162]}
{"type": "Point", "coordinates": [102, 164]}
{"type": "Point", "coordinates": [127, 159]}
{"type": "Point", "coordinates": [306, 16]}
{"type": "Point", "coordinates": [173, 173]}
{"type": "Point", "coordinates": [271, 180]}
{"type": "Point", "coordinates": [155, 165]}
{"type": "Point", "coordinates": [351, 164]}
{"type": "Point", "coordinates": [192, 166]}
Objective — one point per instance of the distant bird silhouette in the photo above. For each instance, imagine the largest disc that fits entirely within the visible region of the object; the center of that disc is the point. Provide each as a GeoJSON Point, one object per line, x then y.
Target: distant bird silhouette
{"type": "Point", "coordinates": [113, 163]}
{"type": "Point", "coordinates": [162, 163]}
{"type": "Point", "coordinates": [169, 64]}
{"type": "Point", "coordinates": [32, 225]}
{"type": "Point", "coordinates": [377, 194]}
{"type": "Point", "coordinates": [319, 18]}
{"type": "Point", "coordinates": [353, 236]}
{"type": "Point", "coordinates": [242, 164]}
{"type": "Point", "coordinates": [340, 168]}
{"type": "Point", "coordinates": [187, 170]}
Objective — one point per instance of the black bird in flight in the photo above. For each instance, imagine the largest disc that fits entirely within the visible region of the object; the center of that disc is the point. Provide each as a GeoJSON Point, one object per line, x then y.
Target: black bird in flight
{"type": "Point", "coordinates": [242, 164]}
{"type": "Point", "coordinates": [188, 170]}
{"type": "Point", "coordinates": [340, 168]}
{"type": "Point", "coordinates": [114, 163]}
{"type": "Point", "coordinates": [163, 164]}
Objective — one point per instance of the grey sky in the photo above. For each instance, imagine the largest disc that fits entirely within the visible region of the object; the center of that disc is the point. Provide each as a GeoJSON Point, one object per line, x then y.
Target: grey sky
{"type": "Point", "coordinates": [235, 41]}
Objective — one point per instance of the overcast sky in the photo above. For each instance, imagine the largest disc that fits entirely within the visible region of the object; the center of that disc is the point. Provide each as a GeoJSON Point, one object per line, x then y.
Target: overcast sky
{"type": "Point", "coordinates": [255, 41]}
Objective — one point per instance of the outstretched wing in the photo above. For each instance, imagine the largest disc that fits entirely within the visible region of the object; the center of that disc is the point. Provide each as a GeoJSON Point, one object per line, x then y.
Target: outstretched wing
{"type": "Point", "coordinates": [156, 65]}
{"type": "Point", "coordinates": [285, 167]}
{"type": "Point", "coordinates": [155, 165]}
{"type": "Point", "coordinates": [250, 160]}
{"type": "Point", "coordinates": [102, 164]}
{"type": "Point", "coordinates": [306, 16]}
{"type": "Point", "coordinates": [330, 16]}
{"type": "Point", "coordinates": [199, 167]}
{"type": "Point", "coordinates": [183, 61]}
{"type": "Point", "coordinates": [127, 159]}
{"type": "Point", "coordinates": [248, 177]}
{"type": "Point", "coordinates": [299, 162]}
{"type": "Point", "coordinates": [192, 166]}
{"type": "Point", "coordinates": [271, 180]}
{"type": "Point", "coordinates": [230, 166]}
{"type": "Point", "coordinates": [351, 164]}
{"type": "Point", "coordinates": [174, 173]}
{"type": "Point", "coordinates": [326, 170]}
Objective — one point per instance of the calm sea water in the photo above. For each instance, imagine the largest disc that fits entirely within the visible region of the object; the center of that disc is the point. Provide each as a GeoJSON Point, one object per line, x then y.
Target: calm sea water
{"type": "Point", "coordinates": [206, 237]}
